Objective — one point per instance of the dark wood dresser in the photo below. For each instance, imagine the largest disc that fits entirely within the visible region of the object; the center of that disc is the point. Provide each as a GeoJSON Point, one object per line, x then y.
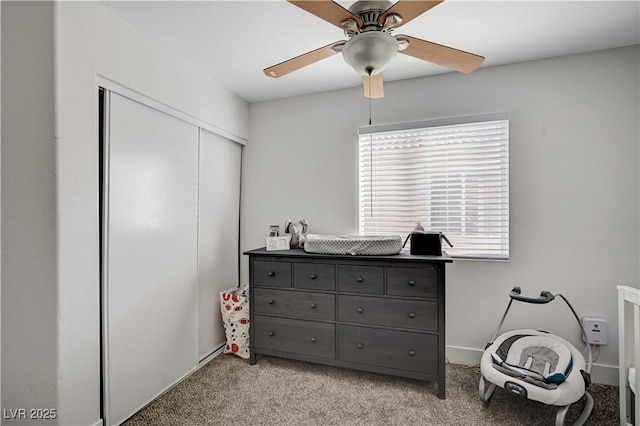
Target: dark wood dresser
{"type": "Point", "coordinates": [383, 314]}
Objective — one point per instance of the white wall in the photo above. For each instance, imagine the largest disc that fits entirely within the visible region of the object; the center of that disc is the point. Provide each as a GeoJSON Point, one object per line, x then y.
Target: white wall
{"type": "Point", "coordinates": [111, 48]}
{"type": "Point", "coordinates": [29, 347]}
{"type": "Point", "coordinates": [574, 183]}
{"type": "Point", "coordinates": [56, 269]}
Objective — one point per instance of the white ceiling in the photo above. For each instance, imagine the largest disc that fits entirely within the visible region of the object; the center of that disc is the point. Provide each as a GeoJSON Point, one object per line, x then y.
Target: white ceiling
{"type": "Point", "coordinates": [233, 41]}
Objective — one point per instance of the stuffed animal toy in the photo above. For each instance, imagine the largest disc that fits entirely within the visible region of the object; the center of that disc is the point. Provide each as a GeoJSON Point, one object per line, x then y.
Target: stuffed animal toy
{"type": "Point", "coordinates": [298, 231]}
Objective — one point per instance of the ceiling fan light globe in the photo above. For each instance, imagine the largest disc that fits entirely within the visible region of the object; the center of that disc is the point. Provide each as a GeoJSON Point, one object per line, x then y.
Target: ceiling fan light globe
{"type": "Point", "coordinates": [368, 51]}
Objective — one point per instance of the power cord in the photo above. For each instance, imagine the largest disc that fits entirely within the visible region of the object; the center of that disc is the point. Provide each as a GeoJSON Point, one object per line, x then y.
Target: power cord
{"type": "Point", "coordinates": [596, 353]}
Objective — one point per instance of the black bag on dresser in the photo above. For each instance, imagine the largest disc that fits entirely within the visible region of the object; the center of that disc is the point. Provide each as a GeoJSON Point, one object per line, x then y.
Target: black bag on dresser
{"type": "Point", "coordinates": [427, 243]}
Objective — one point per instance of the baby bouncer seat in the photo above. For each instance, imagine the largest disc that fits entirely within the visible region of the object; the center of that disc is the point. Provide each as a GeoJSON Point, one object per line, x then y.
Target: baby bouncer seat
{"type": "Point", "coordinates": [537, 365]}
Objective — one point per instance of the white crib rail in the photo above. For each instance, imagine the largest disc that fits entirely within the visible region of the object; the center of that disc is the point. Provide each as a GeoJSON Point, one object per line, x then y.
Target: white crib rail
{"type": "Point", "coordinates": [628, 349]}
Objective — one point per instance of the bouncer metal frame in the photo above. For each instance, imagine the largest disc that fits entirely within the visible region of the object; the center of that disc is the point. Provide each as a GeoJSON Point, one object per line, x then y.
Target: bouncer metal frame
{"type": "Point", "coordinates": [486, 388]}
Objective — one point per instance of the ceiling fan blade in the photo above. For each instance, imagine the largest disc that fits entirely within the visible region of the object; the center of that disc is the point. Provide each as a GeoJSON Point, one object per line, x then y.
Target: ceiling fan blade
{"type": "Point", "coordinates": [328, 10]}
{"type": "Point", "coordinates": [409, 9]}
{"type": "Point", "coordinates": [301, 61]}
{"type": "Point", "coordinates": [449, 57]}
{"type": "Point", "coordinates": [373, 86]}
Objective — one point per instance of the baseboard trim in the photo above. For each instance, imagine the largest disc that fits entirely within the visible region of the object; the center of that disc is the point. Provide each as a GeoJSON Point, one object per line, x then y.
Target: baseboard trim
{"type": "Point", "coordinates": [211, 356]}
{"type": "Point", "coordinates": [98, 423]}
{"type": "Point", "coordinates": [460, 355]}
{"type": "Point", "coordinates": [602, 374]}
{"type": "Point", "coordinates": [605, 374]}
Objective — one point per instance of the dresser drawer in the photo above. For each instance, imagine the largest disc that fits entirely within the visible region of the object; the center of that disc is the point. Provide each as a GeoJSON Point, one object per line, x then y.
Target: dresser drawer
{"type": "Point", "coordinates": [294, 303]}
{"type": "Point", "coordinates": [316, 276]}
{"type": "Point", "coordinates": [295, 336]}
{"type": "Point", "coordinates": [361, 279]}
{"type": "Point", "coordinates": [271, 274]}
{"type": "Point", "coordinates": [415, 282]}
{"type": "Point", "coordinates": [415, 314]}
{"type": "Point", "coordinates": [391, 349]}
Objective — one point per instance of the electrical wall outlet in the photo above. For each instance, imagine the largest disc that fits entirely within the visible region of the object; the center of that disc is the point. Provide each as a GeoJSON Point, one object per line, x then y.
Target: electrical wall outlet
{"type": "Point", "coordinates": [596, 330]}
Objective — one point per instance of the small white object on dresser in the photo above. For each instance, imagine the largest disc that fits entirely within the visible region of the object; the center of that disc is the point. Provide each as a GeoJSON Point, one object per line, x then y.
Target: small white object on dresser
{"type": "Point", "coordinates": [278, 243]}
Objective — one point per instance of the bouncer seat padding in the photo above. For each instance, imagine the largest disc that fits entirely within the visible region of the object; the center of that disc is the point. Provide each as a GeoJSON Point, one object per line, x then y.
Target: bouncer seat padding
{"type": "Point", "coordinates": [546, 365]}
{"type": "Point", "coordinates": [541, 359]}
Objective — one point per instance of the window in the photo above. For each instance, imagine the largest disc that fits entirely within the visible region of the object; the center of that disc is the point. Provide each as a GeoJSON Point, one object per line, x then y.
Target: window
{"type": "Point", "coordinates": [450, 175]}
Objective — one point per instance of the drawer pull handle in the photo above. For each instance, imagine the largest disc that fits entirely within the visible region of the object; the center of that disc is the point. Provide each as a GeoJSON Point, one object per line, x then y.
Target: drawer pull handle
{"type": "Point", "coordinates": [412, 282]}
{"type": "Point", "coordinates": [412, 315]}
{"type": "Point", "coordinates": [272, 274]}
{"type": "Point", "coordinates": [360, 279]}
{"type": "Point", "coordinates": [359, 346]}
{"type": "Point", "coordinates": [412, 353]}
{"type": "Point", "coordinates": [360, 310]}
{"type": "Point", "coordinates": [313, 306]}
{"type": "Point", "coordinates": [272, 333]}
{"type": "Point", "coordinates": [313, 340]}
{"type": "Point", "coordinates": [313, 276]}
{"type": "Point", "coordinates": [271, 302]}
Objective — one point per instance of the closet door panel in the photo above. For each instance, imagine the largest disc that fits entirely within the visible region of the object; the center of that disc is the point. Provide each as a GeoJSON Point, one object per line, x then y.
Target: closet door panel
{"type": "Point", "coordinates": [219, 195]}
{"type": "Point", "coordinates": [151, 255]}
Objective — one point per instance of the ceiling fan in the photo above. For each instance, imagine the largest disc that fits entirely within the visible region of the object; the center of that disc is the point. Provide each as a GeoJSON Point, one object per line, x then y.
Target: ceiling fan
{"type": "Point", "coordinates": [371, 46]}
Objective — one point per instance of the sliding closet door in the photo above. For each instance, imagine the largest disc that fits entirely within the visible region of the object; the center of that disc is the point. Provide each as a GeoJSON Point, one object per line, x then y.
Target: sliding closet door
{"type": "Point", "coordinates": [220, 161]}
{"type": "Point", "coordinates": [150, 263]}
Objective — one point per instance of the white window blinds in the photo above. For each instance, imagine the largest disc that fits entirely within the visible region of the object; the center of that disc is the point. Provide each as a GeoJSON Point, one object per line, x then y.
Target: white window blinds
{"type": "Point", "coordinates": [452, 178]}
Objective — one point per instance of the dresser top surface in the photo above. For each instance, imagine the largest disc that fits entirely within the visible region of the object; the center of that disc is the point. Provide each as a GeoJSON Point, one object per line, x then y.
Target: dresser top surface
{"type": "Point", "coordinates": [300, 253]}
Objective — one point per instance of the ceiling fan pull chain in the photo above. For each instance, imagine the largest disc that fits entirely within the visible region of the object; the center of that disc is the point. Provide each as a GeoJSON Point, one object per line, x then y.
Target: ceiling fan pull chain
{"type": "Point", "coordinates": [370, 70]}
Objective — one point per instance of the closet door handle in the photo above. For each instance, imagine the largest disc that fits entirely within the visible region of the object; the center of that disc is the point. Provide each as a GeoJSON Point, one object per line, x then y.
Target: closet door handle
{"type": "Point", "coordinates": [313, 276]}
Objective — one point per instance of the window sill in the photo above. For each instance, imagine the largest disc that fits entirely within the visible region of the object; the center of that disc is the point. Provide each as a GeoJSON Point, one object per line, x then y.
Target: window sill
{"type": "Point", "coordinates": [477, 258]}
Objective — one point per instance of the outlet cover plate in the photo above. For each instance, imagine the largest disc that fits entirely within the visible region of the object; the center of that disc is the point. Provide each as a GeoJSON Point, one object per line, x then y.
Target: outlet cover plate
{"type": "Point", "coordinates": [597, 330]}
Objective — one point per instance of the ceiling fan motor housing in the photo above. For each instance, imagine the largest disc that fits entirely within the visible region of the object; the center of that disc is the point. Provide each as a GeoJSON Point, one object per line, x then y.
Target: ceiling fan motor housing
{"type": "Point", "coordinates": [369, 11]}
{"type": "Point", "coordinates": [369, 6]}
